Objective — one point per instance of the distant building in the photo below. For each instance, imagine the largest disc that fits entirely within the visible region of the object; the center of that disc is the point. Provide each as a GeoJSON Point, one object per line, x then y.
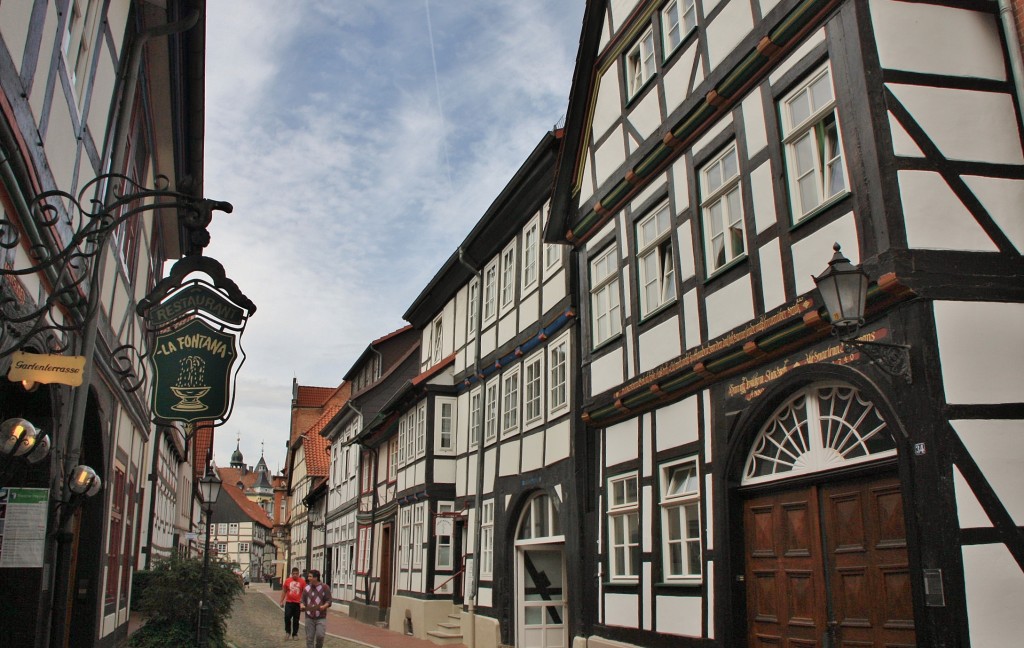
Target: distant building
{"type": "Point", "coordinates": [242, 528]}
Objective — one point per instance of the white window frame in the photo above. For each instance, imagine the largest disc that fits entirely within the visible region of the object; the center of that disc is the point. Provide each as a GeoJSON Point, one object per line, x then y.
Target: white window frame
{"type": "Point", "coordinates": [490, 292]}
{"type": "Point", "coordinates": [678, 19]}
{"type": "Point", "coordinates": [441, 543]}
{"type": "Point", "coordinates": [476, 401]}
{"type": "Point", "coordinates": [472, 295]}
{"type": "Point", "coordinates": [605, 301]}
{"type": "Point", "coordinates": [417, 535]}
{"type": "Point", "coordinates": [723, 194]}
{"type": "Point", "coordinates": [445, 425]}
{"type": "Point", "coordinates": [558, 375]}
{"type": "Point", "coordinates": [508, 276]}
{"type": "Point", "coordinates": [421, 429]}
{"type": "Point", "coordinates": [393, 446]}
{"type": "Point", "coordinates": [656, 247]}
{"type": "Point", "coordinates": [624, 550]}
{"type": "Point", "coordinates": [436, 339]}
{"type": "Point", "coordinates": [531, 264]}
{"type": "Point", "coordinates": [806, 166]}
{"type": "Point", "coordinates": [678, 510]}
{"type": "Point", "coordinates": [487, 539]}
{"type": "Point", "coordinates": [492, 407]}
{"type": "Point", "coordinates": [510, 402]}
{"type": "Point", "coordinates": [243, 547]}
{"type": "Point", "coordinates": [533, 390]}
{"type": "Point", "coordinates": [404, 534]}
{"type": "Point", "coordinates": [552, 258]}
{"type": "Point", "coordinates": [232, 528]}
{"type": "Point", "coordinates": [640, 63]}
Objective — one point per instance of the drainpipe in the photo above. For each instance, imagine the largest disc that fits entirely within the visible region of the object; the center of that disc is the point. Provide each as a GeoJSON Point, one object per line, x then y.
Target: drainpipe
{"type": "Point", "coordinates": [478, 496]}
{"type": "Point", "coordinates": [1013, 47]}
{"type": "Point", "coordinates": [121, 117]}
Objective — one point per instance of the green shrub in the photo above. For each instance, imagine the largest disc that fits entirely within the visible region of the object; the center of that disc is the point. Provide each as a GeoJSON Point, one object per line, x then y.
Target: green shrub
{"type": "Point", "coordinates": [171, 599]}
{"type": "Point", "coordinates": [140, 580]}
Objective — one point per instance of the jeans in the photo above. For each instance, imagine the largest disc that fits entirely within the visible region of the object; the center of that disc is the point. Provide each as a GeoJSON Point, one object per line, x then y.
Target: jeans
{"type": "Point", "coordinates": [316, 629]}
{"type": "Point", "coordinates": [291, 619]}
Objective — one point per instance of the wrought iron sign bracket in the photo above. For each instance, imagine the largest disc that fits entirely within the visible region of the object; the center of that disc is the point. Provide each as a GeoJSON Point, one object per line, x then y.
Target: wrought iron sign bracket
{"type": "Point", "coordinates": [893, 359]}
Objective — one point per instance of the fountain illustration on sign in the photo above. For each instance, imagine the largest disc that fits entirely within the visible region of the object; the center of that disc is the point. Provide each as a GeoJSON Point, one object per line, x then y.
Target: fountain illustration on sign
{"type": "Point", "coordinates": [190, 386]}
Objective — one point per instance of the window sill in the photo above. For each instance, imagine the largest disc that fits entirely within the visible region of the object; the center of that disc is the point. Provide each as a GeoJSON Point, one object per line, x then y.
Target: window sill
{"type": "Point", "coordinates": [724, 269]}
{"type": "Point", "coordinates": [817, 211]}
{"type": "Point", "coordinates": [646, 317]}
{"type": "Point", "coordinates": [600, 346]}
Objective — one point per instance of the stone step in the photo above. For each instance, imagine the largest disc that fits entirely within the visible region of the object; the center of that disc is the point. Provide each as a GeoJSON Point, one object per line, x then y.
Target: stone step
{"type": "Point", "coordinates": [445, 638]}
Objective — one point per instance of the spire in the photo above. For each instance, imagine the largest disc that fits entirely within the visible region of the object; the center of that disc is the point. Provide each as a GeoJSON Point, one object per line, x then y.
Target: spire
{"type": "Point", "coordinates": [236, 457]}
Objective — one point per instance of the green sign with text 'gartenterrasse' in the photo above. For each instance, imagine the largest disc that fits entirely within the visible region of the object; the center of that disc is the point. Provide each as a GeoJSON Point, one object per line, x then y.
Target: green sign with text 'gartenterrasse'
{"type": "Point", "coordinates": [192, 379]}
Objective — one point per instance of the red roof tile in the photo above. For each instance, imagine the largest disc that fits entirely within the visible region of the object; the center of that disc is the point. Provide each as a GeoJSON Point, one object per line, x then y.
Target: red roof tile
{"type": "Point", "coordinates": [318, 460]}
{"type": "Point", "coordinates": [230, 477]}
{"type": "Point", "coordinates": [313, 396]}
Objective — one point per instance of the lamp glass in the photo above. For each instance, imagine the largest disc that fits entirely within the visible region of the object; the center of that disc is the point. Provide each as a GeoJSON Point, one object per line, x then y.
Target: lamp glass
{"type": "Point", "coordinates": [13, 433]}
{"type": "Point", "coordinates": [844, 288]}
{"type": "Point", "coordinates": [84, 481]}
{"type": "Point", "coordinates": [41, 449]}
{"type": "Point", "coordinates": [209, 487]}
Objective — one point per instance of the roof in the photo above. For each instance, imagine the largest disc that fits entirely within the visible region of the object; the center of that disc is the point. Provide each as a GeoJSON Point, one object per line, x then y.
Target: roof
{"type": "Point", "coordinates": [203, 445]}
{"type": "Point", "coordinates": [318, 460]}
{"type": "Point", "coordinates": [312, 396]}
{"type": "Point", "coordinates": [230, 477]}
{"type": "Point", "coordinates": [433, 371]}
{"type": "Point", "coordinates": [370, 348]}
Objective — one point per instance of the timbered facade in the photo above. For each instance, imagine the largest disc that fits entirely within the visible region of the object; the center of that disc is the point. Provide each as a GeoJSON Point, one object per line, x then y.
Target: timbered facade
{"type": "Point", "coordinates": [754, 481]}
{"type": "Point", "coordinates": [500, 311]}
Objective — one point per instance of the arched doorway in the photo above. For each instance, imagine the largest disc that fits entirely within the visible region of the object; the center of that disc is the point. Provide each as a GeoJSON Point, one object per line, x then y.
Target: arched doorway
{"type": "Point", "coordinates": [541, 604]}
{"type": "Point", "coordinates": [825, 543]}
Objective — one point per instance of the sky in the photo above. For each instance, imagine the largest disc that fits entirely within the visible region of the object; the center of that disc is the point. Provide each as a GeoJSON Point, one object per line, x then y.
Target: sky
{"type": "Point", "coordinates": [359, 142]}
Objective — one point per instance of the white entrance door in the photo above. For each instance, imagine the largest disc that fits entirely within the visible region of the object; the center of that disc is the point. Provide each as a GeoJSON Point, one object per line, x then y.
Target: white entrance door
{"type": "Point", "coordinates": [541, 577]}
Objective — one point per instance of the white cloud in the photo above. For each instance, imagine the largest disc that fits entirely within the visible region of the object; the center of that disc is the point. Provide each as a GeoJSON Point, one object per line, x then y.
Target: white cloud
{"type": "Point", "coordinates": [324, 131]}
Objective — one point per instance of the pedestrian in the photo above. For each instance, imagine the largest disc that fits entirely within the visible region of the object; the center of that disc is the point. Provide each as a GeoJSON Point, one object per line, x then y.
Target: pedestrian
{"type": "Point", "coordinates": [291, 599]}
{"type": "Point", "coordinates": [316, 598]}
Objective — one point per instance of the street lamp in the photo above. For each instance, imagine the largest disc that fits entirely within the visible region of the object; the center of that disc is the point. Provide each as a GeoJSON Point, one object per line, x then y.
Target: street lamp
{"type": "Point", "coordinates": [209, 488]}
{"type": "Point", "coordinates": [20, 439]}
{"type": "Point", "coordinates": [844, 289]}
{"type": "Point", "coordinates": [315, 518]}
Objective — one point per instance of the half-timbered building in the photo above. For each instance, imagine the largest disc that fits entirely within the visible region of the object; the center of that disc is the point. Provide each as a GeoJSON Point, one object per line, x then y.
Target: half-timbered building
{"type": "Point", "coordinates": [500, 312]}
{"type": "Point", "coordinates": [754, 480]}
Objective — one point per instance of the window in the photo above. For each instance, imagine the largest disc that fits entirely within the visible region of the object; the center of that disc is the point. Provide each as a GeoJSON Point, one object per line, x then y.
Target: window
{"type": "Point", "coordinates": [421, 429]}
{"type": "Point", "coordinates": [222, 548]}
{"type": "Point", "coordinates": [606, 318]}
{"type": "Point", "coordinates": [243, 547]}
{"type": "Point", "coordinates": [508, 275]}
{"type": "Point", "coordinates": [814, 152]}
{"type": "Point", "coordinates": [403, 537]}
{"type": "Point", "coordinates": [405, 442]}
{"type": "Point", "coordinates": [552, 255]}
{"type": "Point", "coordinates": [473, 299]}
{"type": "Point", "coordinates": [558, 360]}
{"type": "Point", "coordinates": [510, 402]}
{"type": "Point", "coordinates": [540, 520]}
{"type": "Point", "coordinates": [393, 459]}
{"type": "Point", "coordinates": [233, 528]}
{"type": "Point", "coordinates": [678, 18]}
{"type": "Point", "coordinates": [447, 425]}
{"type": "Point", "coordinates": [530, 239]}
{"type": "Point", "coordinates": [364, 550]}
{"type": "Point", "coordinates": [490, 290]}
{"type": "Point", "coordinates": [534, 388]}
{"type": "Point", "coordinates": [655, 260]}
{"type": "Point", "coordinates": [76, 43]}
{"type": "Point", "coordinates": [487, 539]}
{"type": "Point", "coordinates": [680, 516]}
{"type": "Point", "coordinates": [474, 417]}
{"type": "Point", "coordinates": [436, 340]}
{"type": "Point", "coordinates": [222, 529]}
{"type": "Point", "coordinates": [623, 527]}
{"type": "Point", "coordinates": [640, 63]}
{"type": "Point", "coordinates": [491, 425]}
{"type": "Point", "coordinates": [367, 481]}
{"type": "Point", "coordinates": [417, 535]}
{"type": "Point", "coordinates": [722, 210]}
{"type": "Point", "coordinates": [444, 541]}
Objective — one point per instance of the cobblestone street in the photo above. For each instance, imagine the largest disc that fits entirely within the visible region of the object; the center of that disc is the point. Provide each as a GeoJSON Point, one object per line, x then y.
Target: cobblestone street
{"type": "Point", "coordinates": [257, 622]}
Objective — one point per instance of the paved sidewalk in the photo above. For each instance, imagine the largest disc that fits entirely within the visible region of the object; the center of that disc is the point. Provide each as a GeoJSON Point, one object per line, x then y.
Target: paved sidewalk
{"type": "Point", "coordinates": [343, 626]}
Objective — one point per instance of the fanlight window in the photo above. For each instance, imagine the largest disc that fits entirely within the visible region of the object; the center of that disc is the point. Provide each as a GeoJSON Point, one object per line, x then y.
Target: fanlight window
{"type": "Point", "coordinates": [821, 428]}
{"type": "Point", "coordinates": [540, 520]}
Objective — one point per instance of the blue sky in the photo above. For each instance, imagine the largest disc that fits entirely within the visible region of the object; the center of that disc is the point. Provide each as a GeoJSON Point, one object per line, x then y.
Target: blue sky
{"type": "Point", "coordinates": [355, 171]}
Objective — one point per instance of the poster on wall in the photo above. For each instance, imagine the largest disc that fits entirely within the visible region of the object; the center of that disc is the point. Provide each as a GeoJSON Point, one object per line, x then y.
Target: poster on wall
{"type": "Point", "coordinates": [23, 526]}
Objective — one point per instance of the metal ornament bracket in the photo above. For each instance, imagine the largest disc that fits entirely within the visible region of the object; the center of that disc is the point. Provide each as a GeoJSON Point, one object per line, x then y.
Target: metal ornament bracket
{"type": "Point", "coordinates": [893, 359]}
{"type": "Point", "coordinates": [71, 232]}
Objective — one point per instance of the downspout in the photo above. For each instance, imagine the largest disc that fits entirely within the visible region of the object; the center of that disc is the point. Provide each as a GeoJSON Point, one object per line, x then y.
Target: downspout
{"type": "Point", "coordinates": [1013, 47]}
{"type": "Point", "coordinates": [478, 496]}
{"type": "Point", "coordinates": [62, 592]}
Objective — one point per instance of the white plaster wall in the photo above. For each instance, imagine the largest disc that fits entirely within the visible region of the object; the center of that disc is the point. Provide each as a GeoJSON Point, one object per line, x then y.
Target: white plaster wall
{"type": "Point", "coordinates": [676, 424]}
{"type": "Point", "coordinates": [677, 77]}
{"type": "Point", "coordinates": [621, 610]}
{"type": "Point", "coordinates": [659, 344]}
{"type": "Point", "coordinates": [444, 471]}
{"type": "Point", "coordinates": [647, 610]}
{"type": "Point", "coordinates": [622, 442]}
{"type": "Point", "coordinates": [902, 144]}
{"type": "Point", "coordinates": [968, 508]}
{"type": "Point", "coordinates": [533, 451]}
{"type": "Point", "coordinates": [14, 17]}
{"type": "Point", "coordinates": [609, 156]}
{"type": "Point", "coordinates": [102, 93]}
{"type": "Point", "coordinates": [507, 327]}
{"type": "Point", "coordinates": [716, 129]}
{"type": "Point", "coordinates": [1002, 199]}
{"type": "Point", "coordinates": [645, 116]}
{"type": "Point", "coordinates": [726, 31]}
{"type": "Point", "coordinates": [730, 306]}
{"type": "Point", "coordinates": [706, 397]}
{"type": "Point", "coordinates": [488, 340]}
{"type": "Point", "coordinates": [708, 496]}
{"type": "Point", "coordinates": [620, 10]}
{"type": "Point", "coordinates": [684, 243]}
{"type": "Point", "coordinates": [609, 101]}
{"type": "Point", "coordinates": [912, 37]}
{"type": "Point", "coordinates": [42, 73]}
{"type": "Point", "coordinates": [586, 181]}
{"type": "Point", "coordinates": [798, 54]}
{"type": "Point", "coordinates": [995, 589]}
{"type": "Point", "coordinates": [762, 192]}
{"type": "Point", "coordinates": [680, 185]}
{"type": "Point", "coordinates": [60, 144]}
{"type": "Point", "coordinates": [680, 615]}
{"type": "Point", "coordinates": [997, 446]}
{"type": "Point", "coordinates": [598, 240]}
{"type": "Point", "coordinates": [772, 287]}
{"type": "Point", "coordinates": [936, 218]}
{"type": "Point", "coordinates": [950, 119]}
{"type": "Point", "coordinates": [812, 254]}
{"type": "Point", "coordinates": [691, 320]}
{"type": "Point", "coordinates": [980, 351]}
{"type": "Point", "coordinates": [655, 186]}
{"type": "Point", "coordinates": [557, 443]}
{"type": "Point", "coordinates": [509, 458]}
{"type": "Point", "coordinates": [753, 122]}
{"type": "Point", "coordinates": [554, 290]}
{"type": "Point", "coordinates": [606, 372]}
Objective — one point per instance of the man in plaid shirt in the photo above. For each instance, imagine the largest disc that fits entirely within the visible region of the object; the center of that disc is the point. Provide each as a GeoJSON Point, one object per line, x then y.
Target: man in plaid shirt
{"type": "Point", "coordinates": [316, 598]}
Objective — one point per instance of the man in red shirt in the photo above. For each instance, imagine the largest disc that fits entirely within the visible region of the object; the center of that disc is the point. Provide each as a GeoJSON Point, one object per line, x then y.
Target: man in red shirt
{"type": "Point", "coordinates": [291, 597]}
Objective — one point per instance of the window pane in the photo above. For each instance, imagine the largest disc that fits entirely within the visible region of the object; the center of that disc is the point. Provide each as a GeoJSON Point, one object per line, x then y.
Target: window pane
{"type": "Point", "coordinates": [799, 109]}
{"type": "Point", "coordinates": [821, 92]}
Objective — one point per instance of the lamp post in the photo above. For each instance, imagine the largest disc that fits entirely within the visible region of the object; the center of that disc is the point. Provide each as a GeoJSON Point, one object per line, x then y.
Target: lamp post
{"type": "Point", "coordinates": [844, 289]}
{"type": "Point", "coordinates": [209, 487]}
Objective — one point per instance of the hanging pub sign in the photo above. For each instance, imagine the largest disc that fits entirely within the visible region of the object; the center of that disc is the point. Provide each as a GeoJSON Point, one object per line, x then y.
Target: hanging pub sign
{"type": "Point", "coordinates": [46, 368]}
{"type": "Point", "coordinates": [195, 352]}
